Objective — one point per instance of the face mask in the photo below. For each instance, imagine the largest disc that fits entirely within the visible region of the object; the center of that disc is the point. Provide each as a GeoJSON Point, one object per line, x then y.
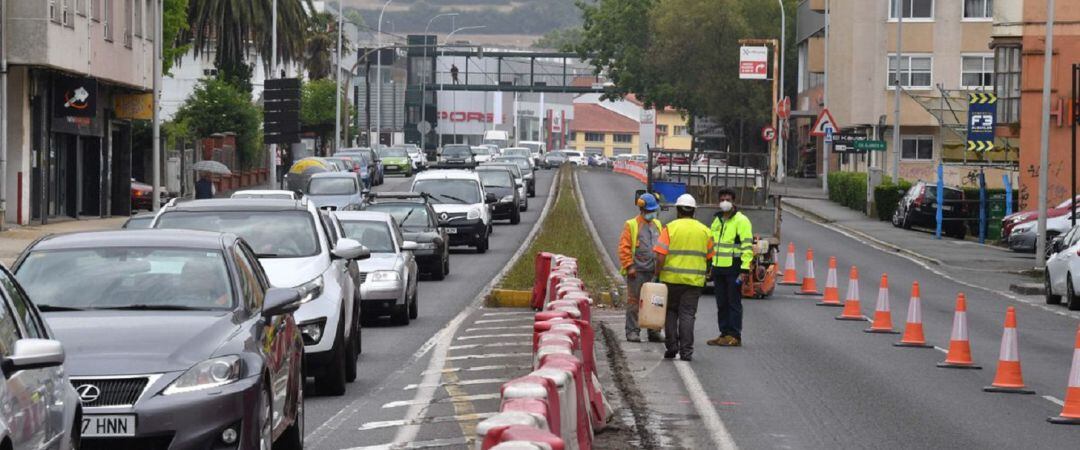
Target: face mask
{"type": "Point", "coordinates": [726, 206]}
{"type": "Point", "coordinates": [650, 216]}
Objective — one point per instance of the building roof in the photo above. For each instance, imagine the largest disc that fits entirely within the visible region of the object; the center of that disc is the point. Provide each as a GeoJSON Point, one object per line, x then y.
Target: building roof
{"type": "Point", "coordinates": [632, 98]}
{"type": "Point", "coordinates": [595, 118]}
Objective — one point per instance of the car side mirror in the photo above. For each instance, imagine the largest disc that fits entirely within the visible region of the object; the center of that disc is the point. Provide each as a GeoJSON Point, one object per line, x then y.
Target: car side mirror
{"type": "Point", "coordinates": [491, 198]}
{"type": "Point", "coordinates": [33, 354]}
{"type": "Point", "coordinates": [409, 246]}
{"type": "Point", "coordinates": [280, 301]}
{"type": "Point", "coordinates": [1057, 245]}
{"type": "Point", "coordinates": [350, 249]}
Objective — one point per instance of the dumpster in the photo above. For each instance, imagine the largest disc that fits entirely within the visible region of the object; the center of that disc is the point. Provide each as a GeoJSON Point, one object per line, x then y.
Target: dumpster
{"type": "Point", "coordinates": [669, 191]}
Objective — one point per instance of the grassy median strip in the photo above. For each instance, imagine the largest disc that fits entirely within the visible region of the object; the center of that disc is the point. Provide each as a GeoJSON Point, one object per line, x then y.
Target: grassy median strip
{"type": "Point", "coordinates": [563, 232]}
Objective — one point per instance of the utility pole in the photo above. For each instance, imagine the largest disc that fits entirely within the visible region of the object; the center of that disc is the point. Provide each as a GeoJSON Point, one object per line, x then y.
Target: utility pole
{"type": "Point", "coordinates": [781, 131]}
{"type": "Point", "coordinates": [825, 92]}
{"type": "Point", "coordinates": [378, 77]}
{"type": "Point", "coordinates": [428, 70]}
{"type": "Point", "coordinates": [3, 114]}
{"type": "Point", "coordinates": [1044, 145]}
{"type": "Point", "coordinates": [897, 142]}
{"type": "Point", "coordinates": [337, 79]}
{"type": "Point", "coordinates": [272, 176]}
{"type": "Point", "coordinates": [156, 158]}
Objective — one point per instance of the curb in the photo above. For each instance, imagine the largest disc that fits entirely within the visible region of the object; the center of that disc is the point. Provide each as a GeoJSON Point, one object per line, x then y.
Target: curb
{"type": "Point", "coordinates": [1028, 288]}
{"type": "Point", "coordinates": [615, 298]}
{"type": "Point", "coordinates": [506, 298]}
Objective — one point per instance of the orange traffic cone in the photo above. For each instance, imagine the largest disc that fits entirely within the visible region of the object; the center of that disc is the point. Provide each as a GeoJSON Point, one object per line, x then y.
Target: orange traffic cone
{"type": "Point", "coordinates": [791, 278]}
{"type": "Point", "coordinates": [1009, 377]}
{"type": "Point", "coordinates": [882, 314]}
{"type": "Point", "coordinates": [809, 283]}
{"type": "Point", "coordinates": [832, 292]}
{"type": "Point", "coordinates": [913, 331]}
{"type": "Point", "coordinates": [852, 309]}
{"type": "Point", "coordinates": [1070, 414]}
{"type": "Point", "coordinates": [959, 356]}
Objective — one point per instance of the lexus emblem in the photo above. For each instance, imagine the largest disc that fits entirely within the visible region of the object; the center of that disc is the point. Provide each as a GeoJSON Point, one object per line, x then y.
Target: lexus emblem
{"type": "Point", "coordinates": [88, 393]}
{"type": "Point", "coordinates": [444, 217]}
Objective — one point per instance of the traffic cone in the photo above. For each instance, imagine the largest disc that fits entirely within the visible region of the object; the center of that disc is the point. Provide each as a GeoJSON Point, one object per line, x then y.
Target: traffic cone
{"type": "Point", "coordinates": [959, 356]}
{"type": "Point", "coordinates": [809, 283]}
{"type": "Point", "coordinates": [882, 314]}
{"type": "Point", "coordinates": [832, 292]}
{"type": "Point", "coordinates": [791, 278]}
{"type": "Point", "coordinates": [1009, 378]}
{"type": "Point", "coordinates": [913, 331]}
{"type": "Point", "coordinates": [1070, 414]}
{"type": "Point", "coordinates": [852, 309]}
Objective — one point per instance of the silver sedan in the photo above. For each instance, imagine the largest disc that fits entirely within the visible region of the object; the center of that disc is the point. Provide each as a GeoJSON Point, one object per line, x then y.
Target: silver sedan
{"type": "Point", "coordinates": [388, 280]}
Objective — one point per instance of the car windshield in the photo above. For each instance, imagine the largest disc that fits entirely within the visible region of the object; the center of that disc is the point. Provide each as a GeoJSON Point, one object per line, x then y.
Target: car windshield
{"type": "Point", "coordinates": [496, 178]}
{"type": "Point", "coordinates": [522, 163]}
{"type": "Point", "coordinates": [457, 152]}
{"type": "Point", "coordinates": [332, 186]}
{"type": "Point", "coordinates": [393, 152]}
{"type": "Point", "coordinates": [374, 235]}
{"type": "Point", "coordinates": [136, 223]}
{"type": "Point", "coordinates": [127, 278]}
{"type": "Point", "coordinates": [450, 191]}
{"type": "Point", "coordinates": [531, 147]}
{"type": "Point", "coordinates": [481, 151]}
{"type": "Point", "coordinates": [272, 234]}
{"type": "Point", "coordinates": [513, 168]}
{"type": "Point", "coordinates": [517, 152]}
{"type": "Point", "coordinates": [409, 215]}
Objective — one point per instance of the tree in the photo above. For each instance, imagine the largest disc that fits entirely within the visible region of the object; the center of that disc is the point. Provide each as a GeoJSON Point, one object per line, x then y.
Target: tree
{"type": "Point", "coordinates": [174, 22]}
{"type": "Point", "coordinates": [217, 107]}
{"type": "Point", "coordinates": [227, 29]}
{"type": "Point", "coordinates": [321, 45]}
{"type": "Point", "coordinates": [318, 110]}
{"type": "Point", "coordinates": [562, 39]}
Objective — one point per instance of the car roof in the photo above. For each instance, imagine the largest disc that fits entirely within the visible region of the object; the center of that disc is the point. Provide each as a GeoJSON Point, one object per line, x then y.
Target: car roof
{"type": "Point", "coordinates": [240, 204]}
{"type": "Point", "coordinates": [265, 192]}
{"type": "Point", "coordinates": [447, 174]}
{"type": "Point", "coordinates": [349, 175]}
{"type": "Point", "coordinates": [154, 238]}
{"type": "Point", "coordinates": [366, 216]}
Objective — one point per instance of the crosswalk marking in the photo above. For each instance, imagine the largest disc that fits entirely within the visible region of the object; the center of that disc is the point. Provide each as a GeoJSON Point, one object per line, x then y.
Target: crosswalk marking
{"type": "Point", "coordinates": [464, 398]}
{"type": "Point", "coordinates": [493, 336]}
{"type": "Point", "coordinates": [458, 383]}
{"type": "Point", "coordinates": [424, 420]}
{"type": "Point", "coordinates": [490, 356]}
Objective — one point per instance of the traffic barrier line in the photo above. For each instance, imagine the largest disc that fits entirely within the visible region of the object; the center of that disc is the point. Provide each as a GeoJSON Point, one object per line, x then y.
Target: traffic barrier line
{"type": "Point", "coordinates": [491, 336]}
{"type": "Point", "coordinates": [514, 327]}
{"type": "Point", "coordinates": [492, 345]}
{"type": "Point", "coordinates": [485, 356]}
{"type": "Point", "coordinates": [434, 443]}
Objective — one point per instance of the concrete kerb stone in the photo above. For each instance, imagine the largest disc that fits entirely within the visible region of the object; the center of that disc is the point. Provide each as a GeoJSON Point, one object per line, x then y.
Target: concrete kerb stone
{"type": "Point", "coordinates": [613, 271]}
{"type": "Point", "coordinates": [503, 298]}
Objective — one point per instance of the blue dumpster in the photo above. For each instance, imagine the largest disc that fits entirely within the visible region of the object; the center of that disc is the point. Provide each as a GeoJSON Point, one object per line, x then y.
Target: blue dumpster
{"type": "Point", "coordinates": [669, 191]}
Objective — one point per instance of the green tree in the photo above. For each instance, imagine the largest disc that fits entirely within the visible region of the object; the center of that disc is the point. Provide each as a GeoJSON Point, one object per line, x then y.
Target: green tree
{"type": "Point", "coordinates": [318, 109]}
{"type": "Point", "coordinates": [217, 107]}
{"type": "Point", "coordinates": [235, 30]}
{"type": "Point", "coordinates": [564, 39]}
{"type": "Point", "coordinates": [174, 21]}
{"type": "Point", "coordinates": [320, 46]}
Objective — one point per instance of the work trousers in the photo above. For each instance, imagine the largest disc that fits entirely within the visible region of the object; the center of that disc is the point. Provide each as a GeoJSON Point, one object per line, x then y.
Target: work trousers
{"type": "Point", "coordinates": [679, 322]}
{"type": "Point", "coordinates": [728, 301]}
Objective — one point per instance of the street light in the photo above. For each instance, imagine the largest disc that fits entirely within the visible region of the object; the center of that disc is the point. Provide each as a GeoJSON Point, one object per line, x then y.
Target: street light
{"type": "Point", "coordinates": [378, 76]}
{"type": "Point", "coordinates": [423, 80]}
{"type": "Point", "coordinates": [337, 80]}
{"type": "Point", "coordinates": [783, 129]}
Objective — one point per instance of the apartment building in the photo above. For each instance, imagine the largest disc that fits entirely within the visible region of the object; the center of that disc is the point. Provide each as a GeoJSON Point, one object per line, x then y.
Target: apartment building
{"type": "Point", "coordinates": [68, 148]}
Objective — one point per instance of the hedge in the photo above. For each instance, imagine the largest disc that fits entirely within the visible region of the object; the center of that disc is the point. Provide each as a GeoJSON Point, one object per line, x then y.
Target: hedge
{"type": "Point", "coordinates": [887, 195]}
{"type": "Point", "coordinates": [848, 189]}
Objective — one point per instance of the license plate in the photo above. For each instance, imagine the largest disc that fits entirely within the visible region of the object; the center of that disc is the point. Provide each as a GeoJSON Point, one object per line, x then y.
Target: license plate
{"type": "Point", "coordinates": [108, 425]}
{"type": "Point", "coordinates": [946, 208]}
{"type": "Point", "coordinates": [391, 167]}
{"type": "Point", "coordinates": [451, 231]}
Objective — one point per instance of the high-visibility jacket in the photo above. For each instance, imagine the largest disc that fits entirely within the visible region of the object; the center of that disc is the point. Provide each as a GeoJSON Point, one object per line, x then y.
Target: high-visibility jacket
{"type": "Point", "coordinates": [628, 242]}
{"type": "Point", "coordinates": [733, 238]}
{"type": "Point", "coordinates": [689, 247]}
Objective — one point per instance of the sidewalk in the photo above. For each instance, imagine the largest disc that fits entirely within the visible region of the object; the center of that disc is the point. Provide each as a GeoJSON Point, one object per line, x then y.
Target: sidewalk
{"type": "Point", "coordinates": [793, 187]}
{"type": "Point", "coordinates": [13, 241]}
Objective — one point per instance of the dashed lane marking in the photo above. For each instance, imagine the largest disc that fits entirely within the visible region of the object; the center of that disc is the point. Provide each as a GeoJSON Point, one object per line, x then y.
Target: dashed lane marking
{"type": "Point", "coordinates": [509, 313]}
{"type": "Point", "coordinates": [437, 443]}
{"type": "Point", "coordinates": [515, 327]}
{"type": "Point", "coordinates": [489, 356]}
{"type": "Point", "coordinates": [494, 336]}
{"type": "Point", "coordinates": [941, 350]}
{"type": "Point", "coordinates": [480, 369]}
{"type": "Point", "coordinates": [520, 319]}
{"type": "Point", "coordinates": [492, 345]}
{"type": "Point", "coordinates": [456, 383]}
{"type": "Point", "coordinates": [463, 398]}
{"type": "Point", "coordinates": [424, 420]}
{"type": "Point", "coordinates": [1054, 400]}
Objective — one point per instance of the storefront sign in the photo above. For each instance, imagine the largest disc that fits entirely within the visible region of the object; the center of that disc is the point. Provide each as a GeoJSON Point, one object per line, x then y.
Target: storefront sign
{"type": "Point", "coordinates": [134, 107]}
{"type": "Point", "coordinates": [462, 116]}
{"type": "Point", "coordinates": [74, 97]}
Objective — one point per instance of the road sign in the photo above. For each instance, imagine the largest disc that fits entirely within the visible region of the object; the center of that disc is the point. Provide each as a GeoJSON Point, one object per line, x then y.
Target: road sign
{"type": "Point", "coordinates": [824, 121]}
{"type": "Point", "coordinates": [872, 146]}
{"type": "Point", "coordinates": [828, 135]}
{"type": "Point", "coordinates": [753, 63]}
{"type": "Point", "coordinates": [768, 134]}
{"type": "Point", "coordinates": [706, 127]}
{"type": "Point", "coordinates": [424, 127]}
{"type": "Point", "coordinates": [982, 110]}
{"type": "Point", "coordinates": [783, 109]}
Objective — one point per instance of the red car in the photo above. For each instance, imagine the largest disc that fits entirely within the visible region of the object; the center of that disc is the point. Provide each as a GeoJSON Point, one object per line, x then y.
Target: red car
{"type": "Point", "coordinates": [1012, 220]}
{"type": "Point", "coordinates": [665, 159]}
{"type": "Point", "coordinates": [142, 196]}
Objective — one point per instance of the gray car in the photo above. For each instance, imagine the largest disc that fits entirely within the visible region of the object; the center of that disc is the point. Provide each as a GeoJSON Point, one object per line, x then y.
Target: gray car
{"type": "Point", "coordinates": [176, 339]}
{"type": "Point", "coordinates": [388, 279]}
{"type": "Point", "coordinates": [335, 191]}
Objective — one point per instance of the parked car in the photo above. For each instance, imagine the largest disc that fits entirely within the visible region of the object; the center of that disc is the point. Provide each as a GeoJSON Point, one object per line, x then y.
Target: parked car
{"type": "Point", "coordinates": [301, 171]}
{"type": "Point", "coordinates": [293, 244]}
{"type": "Point", "coordinates": [519, 180]}
{"type": "Point", "coordinates": [1063, 270]}
{"type": "Point", "coordinates": [664, 159]}
{"type": "Point", "coordinates": [142, 196]}
{"type": "Point", "coordinates": [575, 157]}
{"type": "Point", "coordinates": [169, 326]}
{"type": "Point", "coordinates": [419, 223]}
{"type": "Point", "coordinates": [918, 208]}
{"type": "Point", "coordinates": [138, 221]}
{"type": "Point", "coordinates": [637, 157]}
{"type": "Point", "coordinates": [463, 206]}
{"type": "Point", "coordinates": [335, 191]}
{"type": "Point", "coordinates": [388, 280]}
{"type": "Point", "coordinates": [527, 171]}
{"type": "Point", "coordinates": [375, 165]}
{"type": "Point", "coordinates": [481, 154]}
{"type": "Point", "coordinates": [340, 164]}
{"type": "Point", "coordinates": [278, 194]}
{"type": "Point", "coordinates": [554, 159]}
{"type": "Point", "coordinates": [501, 183]}
{"type": "Point", "coordinates": [39, 408]}
{"type": "Point", "coordinates": [360, 167]}
{"type": "Point", "coordinates": [396, 160]}
{"type": "Point", "coordinates": [456, 156]}
{"type": "Point", "coordinates": [1014, 219]}
{"type": "Point", "coordinates": [517, 151]}
{"type": "Point", "coordinates": [1024, 237]}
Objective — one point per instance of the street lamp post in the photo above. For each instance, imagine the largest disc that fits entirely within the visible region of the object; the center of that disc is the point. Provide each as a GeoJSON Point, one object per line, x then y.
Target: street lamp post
{"type": "Point", "coordinates": [423, 80]}
{"type": "Point", "coordinates": [337, 80]}
{"type": "Point", "coordinates": [378, 76]}
{"type": "Point", "coordinates": [781, 167]}
{"type": "Point", "coordinates": [156, 158]}
{"type": "Point", "coordinates": [1044, 147]}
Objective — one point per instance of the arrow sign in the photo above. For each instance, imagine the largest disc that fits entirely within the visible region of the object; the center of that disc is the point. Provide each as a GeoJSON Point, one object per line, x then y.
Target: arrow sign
{"type": "Point", "coordinates": [768, 133]}
{"type": "Point", "coordinates": [824, 122]}
{"type": "Point", "coordinates": [783, 109]}
{"type": "Point", "coordinates": [982, 112]}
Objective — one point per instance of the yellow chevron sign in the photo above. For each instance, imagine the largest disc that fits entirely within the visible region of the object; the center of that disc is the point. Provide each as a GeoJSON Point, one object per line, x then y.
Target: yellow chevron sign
{"type": "Point", "coordinates": [982, 98]}
{"type": "Point", "coordinates": [980, 146]}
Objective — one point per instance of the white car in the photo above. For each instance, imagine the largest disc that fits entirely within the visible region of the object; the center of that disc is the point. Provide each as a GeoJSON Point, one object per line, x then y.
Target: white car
{"type": "Point", "coordinates": [38, 405]}
{"type": "Point", "coordinates": [1063, 270]}
{"type": "Point", "coordinates": [419, 159]}
{"type": "Point", "coordinates": [481, 154]}
{"type": "Point", "coordinates": [576, 158]}
{"type": "Point", "coordinates": [458, 197]}
{"type": "Point", "coordinates": [267, 193]}
{"type": "Point", "coordinates": [536, 149]}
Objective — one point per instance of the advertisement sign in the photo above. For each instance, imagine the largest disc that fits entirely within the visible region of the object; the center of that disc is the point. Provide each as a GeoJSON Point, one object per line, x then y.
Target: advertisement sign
{"type": "Point", "coordinates": [753, 63]}
{"type": "Point", "coordinates": [982, 109]}
{"type": "Point", "coordinates": [74, 97]}
{"type": "Point", "coordinates": [647, 130]}
{"type": "Point", "coordinates": [134, 106]}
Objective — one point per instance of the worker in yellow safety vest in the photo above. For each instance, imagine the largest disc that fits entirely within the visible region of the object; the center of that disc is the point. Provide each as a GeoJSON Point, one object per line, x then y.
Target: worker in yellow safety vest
{"type": "Point", "coordinates": [637, 260]}
{"type": "Point", "coordinates": [682, 263]}
{"type": "Point", "coordinates": [733, 235]}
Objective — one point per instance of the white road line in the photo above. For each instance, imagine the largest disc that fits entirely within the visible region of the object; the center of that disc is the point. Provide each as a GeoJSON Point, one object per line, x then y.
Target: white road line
{"type": "Point", "coordinates": [424, 420]}
{"type": "Point", "coordinates": [481, 369]}
{"type": "Point", "coordinates": [492, 345]}
{"type": "Point", "coordinates": [433, 386]}
{"type": "Point", "coordinates": [520, 319]}
{"type": "Point", "coordinates": [493, 336]}
{"type": "Point", "coordinates": [717, 431]}
{"type": "Point", "coordinates": [490, 356]}
{"type": "Point", "coordinates": [436, 443]}
{"type": "Point", "coordinates": [515, 327]}
{"type": "Point", "coordinates": [466, 398]}
{"type": "Point", "coordinates": [1054, 400]}
{"type": "Point", "coordinates": [942, 350]}
{"type": "Point", "coordinates": [509, 313]}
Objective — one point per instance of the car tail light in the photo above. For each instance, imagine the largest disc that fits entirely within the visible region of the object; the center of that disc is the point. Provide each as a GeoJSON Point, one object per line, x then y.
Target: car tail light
{"type": "Point", "coordinates": [918, 200]}
{"type": "Point", "coordinates": [356, 167]}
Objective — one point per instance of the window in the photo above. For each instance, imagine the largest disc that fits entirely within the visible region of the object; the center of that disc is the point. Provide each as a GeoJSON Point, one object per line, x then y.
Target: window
{"type": "Point", "coordinates": [128, 6]}
{"type": "Point", "coordinates": [594, 137]}
{"type": "Point", "coordinates": [917, 147]}
{"type": "Point", "coordinates": [978, 9]}
{"type": "Point", "coordinates": [594, 150]}
{"type": "Point", "coordinates": [80, 7]}
{"type": "Point", "coordinates": [915, 71]}
{"type": "Point", "coordinates": [573, 135]}
{"type": "Point", "coordinates": [151, 17]}
{"type": "Point", "coordinates": [681, 130]}
{"type": "Point", "coordinates": [622, 151]}
{"type": "Point", "coordinates": [54, 12]}
{"type": "Point", "coordinates": [977, 71]}
{"type": "Point", "coordinates": [1007, 83]}
{"type": "Point", "coordinates": [624, 138]}
{"type": "Point", "coordinates": [138, 17]}
{"type": "Point", "coordinates": [95, 10]}
{"type": "Point", "coordinates": [66, 13]}
{"type": "Point", "coordinates": [661, 130]}
{"type": "Point", "coordinates": [250, 291]}
{"type": "Point", "coordinates": [913, 9]}
{"type": "Point", "coordinates": [9, 331]}
{"type": "Point", "coordinates": [34, 328]}
{"type": "Point", "coordinates": [106, 18]}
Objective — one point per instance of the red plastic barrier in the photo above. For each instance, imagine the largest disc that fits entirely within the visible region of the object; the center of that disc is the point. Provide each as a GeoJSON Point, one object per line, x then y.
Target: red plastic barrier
{"type": "Point", "coordinates": [519, 433]}
{"type": "Point", "coordinates": [582, 305]}
{"type": "Point", "coordinates": [543, 316]}
{"type": "Point", "coordinates": [550, 390]}
{"type": "Point", "coordinates": [542, 270]}
{"type": "Point", "coordinates": [584, 419]}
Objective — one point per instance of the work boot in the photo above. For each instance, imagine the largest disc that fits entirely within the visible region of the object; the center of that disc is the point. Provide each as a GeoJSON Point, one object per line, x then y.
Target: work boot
{"type": "Point", "coordinates": [718, 341]}
{"type": "Point", "coordinates": [654, 336]}
{"type": "Point", "coordinates": [686, 358]}
{"type": "Point", "coordinates": [670, 354]}
{"type": "Point", "coordinates": [730, 341]}
{"type": "Point", "coordinates": [633, 338]}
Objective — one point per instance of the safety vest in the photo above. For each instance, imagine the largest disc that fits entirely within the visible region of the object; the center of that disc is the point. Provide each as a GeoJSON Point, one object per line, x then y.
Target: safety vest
{"type": "Point", "coordinates": [732, 238]}
{"type": "Point", "coordinates": [688, 253]}
{"type": "Point", "coordinates": [633, 225]}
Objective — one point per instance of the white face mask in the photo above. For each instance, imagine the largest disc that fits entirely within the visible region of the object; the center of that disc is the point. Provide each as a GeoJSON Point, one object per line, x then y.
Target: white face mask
{"type": "Point", "coordinates": [726, 206]}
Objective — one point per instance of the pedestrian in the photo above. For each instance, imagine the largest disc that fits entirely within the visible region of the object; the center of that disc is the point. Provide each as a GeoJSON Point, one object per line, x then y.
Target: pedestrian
{"type": "Point", "coordinates": [204, 188]}
{"type": "Point", "coordinates": [454, 73]}
{"type": "Point", "coordinates": [733, 235]}
{"type": "Point", "coordinates": [682, 263]}
{"type": "Point", "coordinates": [638, 261]}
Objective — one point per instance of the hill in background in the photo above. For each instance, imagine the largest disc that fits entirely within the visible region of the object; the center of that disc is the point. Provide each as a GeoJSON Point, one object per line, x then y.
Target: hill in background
{"type": "Point", "coordinates": [501, 17]}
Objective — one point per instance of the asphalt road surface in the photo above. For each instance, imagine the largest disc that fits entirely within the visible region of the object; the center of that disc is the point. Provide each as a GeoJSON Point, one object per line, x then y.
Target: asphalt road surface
{"type": "Point", "coordinates": [805, 380]}
{"type": "Point", "coordinates": [392, 359]}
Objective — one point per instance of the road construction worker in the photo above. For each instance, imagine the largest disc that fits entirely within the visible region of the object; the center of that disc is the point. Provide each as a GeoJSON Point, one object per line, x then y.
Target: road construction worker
{"type": "Point", "coordinates": [734, 250]}
{"type": "Point", "coordinates": [682, 263]}
{"type": "Point", "coordinates": [638, 261]}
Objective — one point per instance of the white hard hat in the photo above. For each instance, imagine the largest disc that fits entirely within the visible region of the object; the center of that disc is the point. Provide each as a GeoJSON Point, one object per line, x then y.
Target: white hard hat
{"type": "Point", "coordinates": [686, 201]}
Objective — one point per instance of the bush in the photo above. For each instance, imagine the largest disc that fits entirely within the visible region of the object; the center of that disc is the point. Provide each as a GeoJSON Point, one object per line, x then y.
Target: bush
{"type": "Point", "coordinates": [887, 195]}
{"type": "Point", "coordinates": [848, 189]}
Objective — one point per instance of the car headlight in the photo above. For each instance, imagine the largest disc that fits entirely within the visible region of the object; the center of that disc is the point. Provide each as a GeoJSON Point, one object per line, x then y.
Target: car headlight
{"type": "Point", "coordinates": [312, 332]}
{"type": "Point", "coordinates": [209, 374]}
{"type": "Point", "coordinates": [507, 199]}
{"type": "Point", "coordinates": [384, 275]}
{"type": "Point", "coordinates": [473, 214]}
{"type": "Point", "coordinates": [311, 290]}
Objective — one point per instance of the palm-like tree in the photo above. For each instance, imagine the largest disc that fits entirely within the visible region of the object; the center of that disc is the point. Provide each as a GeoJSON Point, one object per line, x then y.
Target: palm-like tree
{"type": "Point", "coordinates": [320, 46]}
{"type": "Point", "coordinates": [234, 30]}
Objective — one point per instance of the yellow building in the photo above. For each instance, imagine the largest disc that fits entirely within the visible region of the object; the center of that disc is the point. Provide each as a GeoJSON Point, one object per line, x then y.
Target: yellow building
{"type": "Point", "coordinates": [672, 131]}
{"type": "Point", "coordinates": [596, 129]}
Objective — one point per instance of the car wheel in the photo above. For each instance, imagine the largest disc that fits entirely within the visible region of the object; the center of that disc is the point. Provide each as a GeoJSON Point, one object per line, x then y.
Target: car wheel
{"type": "Point", "coordinates": [293, 438]}
{"type": "Point", "coordinates": [1051, 299]}
{"type": "Point", "coordinates": [266, 422]}
{"type": "Point", "coordinates": [438, 270]}
{"type": "Point", "coordinates": [515, 218]}
{"type": "Point", "coordinates": [350, 359]}
{"type": "Point", "coordinates": [905, 221]}
{"type": "Point", "coordinates": [401, 314]}
{"type": "Point", "coordinates": [359, 334]}
{"type": "Point", "coordinates": [414, 307]}
{"type": "Point", "coordinates": [1070, 295]}
{"type": "Point", "coordinates": [482, 247]}
{"type": "Point", "coordinates": [332, 381]}
{"type": "Point", "coordinates": [75, 436]}
{"type": "Point", "coordinates": [532, 192]}
{"type": "Point", "coordinates": [446, 264]}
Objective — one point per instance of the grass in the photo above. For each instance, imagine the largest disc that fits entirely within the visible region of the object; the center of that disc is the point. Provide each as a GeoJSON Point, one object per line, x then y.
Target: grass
{"type": "Point", "coordinates": [563, 232]}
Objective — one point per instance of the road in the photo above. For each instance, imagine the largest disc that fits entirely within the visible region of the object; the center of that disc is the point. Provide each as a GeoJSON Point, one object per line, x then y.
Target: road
{"type": "Point", "coordinates": [393, 357]}
{"type": "Point", "coordinates": [805, 380]}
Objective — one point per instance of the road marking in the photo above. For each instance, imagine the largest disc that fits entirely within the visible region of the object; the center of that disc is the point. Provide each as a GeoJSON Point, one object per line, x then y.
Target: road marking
{"type": "Point", "coordinates": [489, 356]}
{"type": "Point", "coordinates": [508, 313]}
{"type": "Point", "coordinates": [432, 386]}
{"type": "Point", "coordinates": [1054, 400]}
{"type": "Point", "coordinates": [463, 398]}
{"type": "Point", "coordinates": [424, 420]}
{"type": "Point", "coordinates": [522, 319]}
{"type": "Point", "coordinates": [717, 431]}
{"type": "Point", "coordinates": [493, 336]}
{"type": "Point", "coordinates": [515, 327]}
{"type": "Point", "coordinates": [436, 443]}
{"type": "Point", "coordinates": [492, 345]}
{"type": "Point", "coordinates": [941, 350]}
{"type": "Point", "coordinates": [481, 369]}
